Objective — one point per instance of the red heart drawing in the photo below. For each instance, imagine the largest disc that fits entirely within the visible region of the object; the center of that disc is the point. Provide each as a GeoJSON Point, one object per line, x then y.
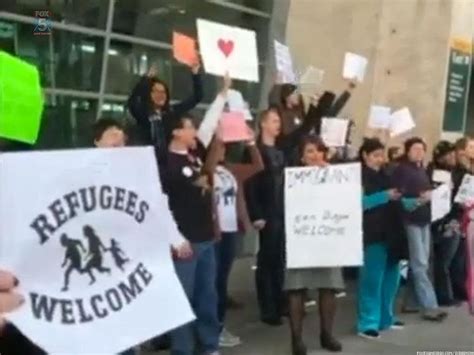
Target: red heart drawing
{"type": "Point", "coordinates": [226, 47]}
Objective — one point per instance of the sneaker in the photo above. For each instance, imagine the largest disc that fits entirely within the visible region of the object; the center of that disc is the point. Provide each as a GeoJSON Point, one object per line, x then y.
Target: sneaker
{"type": "Point", "coordinates": [228, 340]}
{"type": "Point", "coordinates": [397, 325]}
{"type": "Point", "coordinates": [370, 334]}
{"type": "Point", "coordinates": [310, 303]}
{"type": "Point", "coordinates": [341, 294]}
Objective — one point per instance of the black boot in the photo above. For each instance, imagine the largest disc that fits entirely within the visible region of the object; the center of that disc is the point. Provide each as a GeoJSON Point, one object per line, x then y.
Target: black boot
{"type": "Point", "coordinates": [330, 343]}
{"type": "Point", "coordinates": [298, 347]}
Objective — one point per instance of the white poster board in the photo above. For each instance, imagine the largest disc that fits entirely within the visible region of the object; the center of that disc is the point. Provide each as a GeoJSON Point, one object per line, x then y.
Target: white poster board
{"type": "Point", "coordinates": [311, 81]}
{"type": "Point", "coordinates": [379, 117]}
{"type": "Point", "coordinates": [355, 67]}
{"type": "Point", "coordinates": [88, 238]}
{"type": "Point", "coordinates": [228, 49]}
{"type": "Point", "coordinates": [466, 190]}
{"type": "Point", "coordinates": [323, 216]}
{"type": "Point", "coordinates": [442, 177]}
{"type": "Point", "coordinates": [284, 63]}
{"type": "Point", "coordinates": [440, 202]}
{"type": "Point", "coordinates": [401, 122]}
{"type": "Point", "coordinates": [334, 131]}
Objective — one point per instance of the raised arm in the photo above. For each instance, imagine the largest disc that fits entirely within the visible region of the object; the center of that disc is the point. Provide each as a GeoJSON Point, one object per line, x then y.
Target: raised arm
{"type": "Point", "coordinates": [197, 95]}
{"type": "Point", "coordinates": [138, 100]}
{"type": "Point", "coordinates": [342, 100]}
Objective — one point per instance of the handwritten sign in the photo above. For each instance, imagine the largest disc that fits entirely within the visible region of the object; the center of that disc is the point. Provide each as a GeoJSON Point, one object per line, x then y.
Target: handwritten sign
{"type": "Point", "coordinates": [401, 122]}
{"type": "Point", "coordinates": [311, 81]}
{"type": "Point", "coordinates": [323, 216]}
{"type": "Point", "coordinates": [91, 246]}
{"type": "Point", "coordinates": [228, 49]}
{"type": "Point", "coordinates": [440, 202]}
{"type": "Point", "coordinates": [379, 117]}
{"type": "Point", "coordinates": [465, 193]}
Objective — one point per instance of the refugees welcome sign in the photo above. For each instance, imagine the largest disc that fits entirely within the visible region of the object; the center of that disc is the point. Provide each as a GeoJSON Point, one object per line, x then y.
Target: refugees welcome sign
{"type": "Point", "coordinates": [323, 216]}
{"type": "Point", "coordinates": [87, 233]}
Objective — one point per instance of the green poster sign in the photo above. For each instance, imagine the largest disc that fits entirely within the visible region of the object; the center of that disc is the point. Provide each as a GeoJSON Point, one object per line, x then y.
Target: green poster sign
{"type": "Point", "coordinates": [457, 87]}
{"type": "Point", "coordinates": [21, 99]}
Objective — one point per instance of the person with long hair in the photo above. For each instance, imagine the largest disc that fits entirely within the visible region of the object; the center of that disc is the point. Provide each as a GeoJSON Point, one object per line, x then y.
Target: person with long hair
{"type": "Point", "coordinates": [379, 276]}
{"type": "Point", "coordinates": [150, 105]}
{"type": "Point", "coordinates": [412, 180]}
{"type": "Point", "coordinates": [447, 231]}
{"type": "Point", "coordinates": [313, 152]}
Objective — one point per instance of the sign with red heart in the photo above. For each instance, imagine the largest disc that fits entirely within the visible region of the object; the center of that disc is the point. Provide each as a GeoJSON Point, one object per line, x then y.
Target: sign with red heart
{"type": "Point", "coordinates": [226, 46]}
{"type": "Point", "coordinates": [228, 49]}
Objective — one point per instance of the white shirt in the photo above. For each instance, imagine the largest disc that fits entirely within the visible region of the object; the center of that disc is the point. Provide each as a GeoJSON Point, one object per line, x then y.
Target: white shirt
{"type": "Point", "coordinates": [225, 191]}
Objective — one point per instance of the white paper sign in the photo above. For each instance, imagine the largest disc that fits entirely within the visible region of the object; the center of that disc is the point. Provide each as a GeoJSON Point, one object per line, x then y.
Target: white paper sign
{"type": "Point", "coordinates": [323, 216]}
{"type": "Point", "coordinates": [228, 49]}
{"type": "Point", "coordinates": [379, 117]}
{"type": "Point", "coordinates": [442, 177]}
{"type": "Point", "coordinates": [440, 202]}
{"type": "Point", "coordinates": [284, 63]}
{"type": "Point", "coordinates": [466, 190]}
{"type": "Point", "coordinates": [88, 238]}
{"type": "Point", "coordinates": [334, 131]}
{"type": "Point", "coordinates": [311, 81]}
{"type": "Point", "coordinates": [236, 102]}
{"type": "Point", "coordinates": [355, 67]}
{"type": "Point", "coordinates": [401, 122]}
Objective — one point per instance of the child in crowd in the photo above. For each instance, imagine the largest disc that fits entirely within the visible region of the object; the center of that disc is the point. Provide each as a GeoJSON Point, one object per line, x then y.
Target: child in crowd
{"type": "Point", "coordinates": [380, 275]}
{"type": "Point", "coordinates": [411, 179]}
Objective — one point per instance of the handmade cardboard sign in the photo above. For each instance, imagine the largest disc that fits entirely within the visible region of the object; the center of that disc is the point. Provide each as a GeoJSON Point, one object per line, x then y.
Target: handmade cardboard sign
{"type": "Point", "coordinates": [228, 49]}
{"type": "Point", "coordinates": [329, 233]}
{"type": "Point", "coordinates": [89, 240]}
{"type": "Point", "coordinates": [21, 99]}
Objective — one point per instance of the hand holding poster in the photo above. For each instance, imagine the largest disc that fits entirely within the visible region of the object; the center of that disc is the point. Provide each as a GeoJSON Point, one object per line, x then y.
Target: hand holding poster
{"type": "Point", "coordinates": [334, 131]}
{"type": "Point", "coordinates": [440, 202]}
{"type": "Point", "coordinates": [89, 240]}
{"type": "Point", "coordinates": [323, 216]}
{"type": "Point", "coordinates": [228, 49]}
{"type": "Point", "coordinates": [355, 67]}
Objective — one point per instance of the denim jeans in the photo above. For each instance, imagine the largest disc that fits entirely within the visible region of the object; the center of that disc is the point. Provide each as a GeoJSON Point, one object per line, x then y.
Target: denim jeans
{"type": "Point", "coordinates": [225, 254]}
{"type": "Point", "coordinates": [445, 251]}
{"type": "Point", "coordinates": [419, 244]}
{"type": "Point", "coordinates": [379, 278]}
{"type": "Point", "coordinates": [198, 278]}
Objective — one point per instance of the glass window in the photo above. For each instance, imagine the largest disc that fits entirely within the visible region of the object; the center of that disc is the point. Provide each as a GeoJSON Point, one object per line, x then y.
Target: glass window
{"type": "Point", "coordinates": [18, 39]}
{"type": "Point", "coordinates": [87, 13]}
{"type": "Point", "coordinates": [77, 60]}
{"type": "Point", "coordinates": [260, 5]}
{"type": "Point", "coordinates": [128, 62]}
{"type": "Point", "coordinates": [67, 123]}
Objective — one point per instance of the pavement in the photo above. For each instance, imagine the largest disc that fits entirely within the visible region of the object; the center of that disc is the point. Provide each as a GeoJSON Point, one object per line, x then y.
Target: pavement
{"type": "Point", "coordinates": [455, 334]}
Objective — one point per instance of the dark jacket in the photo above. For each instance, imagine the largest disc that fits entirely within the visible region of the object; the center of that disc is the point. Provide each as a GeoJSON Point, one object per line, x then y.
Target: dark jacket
{"type": "Point", "coordinates": [383, 223]}
{"type": "Point", "coordinates": [139, 105]}
{"type": "Point", "coordinates": [264, 191]}
{"type": "Point", "coordinates": [412, 180]}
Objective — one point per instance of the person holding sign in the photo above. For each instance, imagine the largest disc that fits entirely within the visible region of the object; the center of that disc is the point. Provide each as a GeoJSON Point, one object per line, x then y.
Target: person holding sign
{"type": "Point", "coordinates": [380, 275]}
{"type": "Point", "coordinates": [264, 194]}
{"type": "Point", "coordinates": [447, 233]}
{"type": "Point", "coordinates": [411, 179]}
{"type": "Point", "coordinates": [187, 182]}
{"type": "Point", "coordinates": [313, 152]}
{"type": "Point", "coordinates": [149, 103]}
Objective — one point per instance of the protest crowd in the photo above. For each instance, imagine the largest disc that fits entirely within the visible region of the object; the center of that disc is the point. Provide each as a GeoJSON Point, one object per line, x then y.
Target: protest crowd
{"type": "Point", "coordinates": [216, 198]}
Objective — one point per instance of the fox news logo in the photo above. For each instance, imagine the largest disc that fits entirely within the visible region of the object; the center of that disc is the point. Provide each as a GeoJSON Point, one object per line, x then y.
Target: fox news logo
{"type": "Point", "coordinates": [43, 23]}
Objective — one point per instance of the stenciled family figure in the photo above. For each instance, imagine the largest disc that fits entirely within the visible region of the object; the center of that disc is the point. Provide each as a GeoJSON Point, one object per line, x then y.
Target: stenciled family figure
{"type": "Point", "coordinates": [85, 261]}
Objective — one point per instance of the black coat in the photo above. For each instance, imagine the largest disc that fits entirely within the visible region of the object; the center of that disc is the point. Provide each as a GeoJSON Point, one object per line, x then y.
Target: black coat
{"type": "Point", "coordinates": [383, 223]}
